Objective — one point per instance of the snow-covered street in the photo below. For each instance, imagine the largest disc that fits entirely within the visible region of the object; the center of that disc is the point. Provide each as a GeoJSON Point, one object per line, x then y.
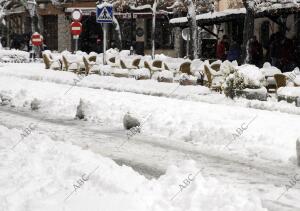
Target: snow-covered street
{"type": "Point", "coordinates": [187, 129]}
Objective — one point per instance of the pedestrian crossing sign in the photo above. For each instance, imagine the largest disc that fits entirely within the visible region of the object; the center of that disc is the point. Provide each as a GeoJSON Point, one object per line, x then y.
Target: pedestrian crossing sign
{"type": "Point", "coordinates": [104, 13]}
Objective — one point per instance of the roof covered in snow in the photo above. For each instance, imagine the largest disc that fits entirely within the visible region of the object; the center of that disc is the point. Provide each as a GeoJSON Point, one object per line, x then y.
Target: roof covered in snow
{"type": "Point", "coordinates": [260, 8]}
{"type": "Point", "coordinates": [205, 18]}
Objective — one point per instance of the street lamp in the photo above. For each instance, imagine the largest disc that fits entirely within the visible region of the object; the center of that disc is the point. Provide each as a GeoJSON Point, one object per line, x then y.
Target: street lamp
{"type": "Point", "coordinates": [31, 4]}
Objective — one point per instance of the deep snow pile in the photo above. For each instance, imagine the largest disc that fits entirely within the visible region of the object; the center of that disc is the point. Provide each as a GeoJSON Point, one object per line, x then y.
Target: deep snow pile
{"type": "Point", "coordinates": [40, 174]}
{"type": "Point", "coordinates": [196, 122]}
{"type": "Point", "coordinates": [14, 56]}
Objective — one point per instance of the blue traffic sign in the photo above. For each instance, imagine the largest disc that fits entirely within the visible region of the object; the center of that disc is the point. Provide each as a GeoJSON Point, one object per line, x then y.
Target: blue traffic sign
{"type": "Point", "coordinates": [104, 13]}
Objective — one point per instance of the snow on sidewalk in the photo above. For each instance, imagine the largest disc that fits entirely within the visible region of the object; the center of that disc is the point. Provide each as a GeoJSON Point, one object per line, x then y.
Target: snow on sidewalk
{"type": "Point", "coordinates": [149, 87]}
{"type": "Point", "coordinates": [36, 71]}
{"type": "Point", "coordinates": [43, 175]}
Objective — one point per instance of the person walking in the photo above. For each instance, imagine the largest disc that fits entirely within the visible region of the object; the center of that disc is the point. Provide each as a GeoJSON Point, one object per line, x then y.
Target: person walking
{"type": "Point", "coordinates": [287, 55]}
{"type": "Point", "coordinates": [275, 49]}
{"type": "Point", "coordinates": [234, 51]}
{"type": "Point", "coordinates": [254, 52]}
{"type": "Point", "coordinates": [222, 48]}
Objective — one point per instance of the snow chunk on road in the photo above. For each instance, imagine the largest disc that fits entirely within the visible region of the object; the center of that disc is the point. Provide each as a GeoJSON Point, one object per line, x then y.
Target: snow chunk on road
{"type": "Point", "coordinates": [40, 173]}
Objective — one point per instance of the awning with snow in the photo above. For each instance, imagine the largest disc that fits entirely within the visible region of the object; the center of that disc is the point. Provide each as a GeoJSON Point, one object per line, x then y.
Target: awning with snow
{"type": "Point", "coordinates": [212, 17]}
{"type": "Point", "coordinates": [274, 10]}
{"type": "Point", "coordinates": [16, 10]}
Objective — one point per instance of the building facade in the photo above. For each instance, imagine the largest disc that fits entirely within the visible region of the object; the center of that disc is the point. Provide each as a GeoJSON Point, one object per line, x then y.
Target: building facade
{"type": "Point", "coordinates": [54, 21]}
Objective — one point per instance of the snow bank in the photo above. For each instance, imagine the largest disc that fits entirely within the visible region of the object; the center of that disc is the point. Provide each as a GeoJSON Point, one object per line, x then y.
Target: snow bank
{"type": "Point", "coordinates": [149, 87]}
{"type": "Point", "coordinates": [182, 120]}
{"type": "Point", "coordinates": [41, 173]}
{"type": "Point", "coordinates": [14, 56]}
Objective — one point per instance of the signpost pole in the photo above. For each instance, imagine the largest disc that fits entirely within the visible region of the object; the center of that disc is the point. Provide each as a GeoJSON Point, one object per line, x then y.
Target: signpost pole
{"type": "Point", "coordinates": [104, 15]}
{"type": "Point", "coordinates": [76, 43]}
{"type": "Point", "coordinates": [76, 27]}
{"type": "Point", "coordinates": [104, 28]}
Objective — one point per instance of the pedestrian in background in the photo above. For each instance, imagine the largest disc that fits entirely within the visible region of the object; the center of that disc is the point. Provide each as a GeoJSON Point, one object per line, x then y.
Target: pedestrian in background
{"type": "Point", "coordinates": [222, 48]}
{"type": "Point", "coordinates": [234, 52]}
{"type": "Point", "coordinates": [254, 52]}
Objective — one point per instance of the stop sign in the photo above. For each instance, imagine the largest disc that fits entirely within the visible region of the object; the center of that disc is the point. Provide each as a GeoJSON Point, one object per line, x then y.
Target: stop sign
{"type": "Point", "coordinates": [76, 28]}
{"type": "Point", "coordinates": [36, 39]}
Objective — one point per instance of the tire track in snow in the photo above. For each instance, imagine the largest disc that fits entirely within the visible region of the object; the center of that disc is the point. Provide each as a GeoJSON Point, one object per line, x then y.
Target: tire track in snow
{"type": "Point", "coordinates": [150, 156]}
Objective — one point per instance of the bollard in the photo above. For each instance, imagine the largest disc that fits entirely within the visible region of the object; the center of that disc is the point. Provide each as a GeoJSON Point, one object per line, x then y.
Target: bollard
{"type": "Point", "coordinates": [298, 151]}
{"type": "Point", "coordinates": [298, 102]}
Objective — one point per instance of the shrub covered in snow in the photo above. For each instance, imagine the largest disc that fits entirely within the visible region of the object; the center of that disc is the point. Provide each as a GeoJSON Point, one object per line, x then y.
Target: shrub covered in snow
{"type": "Point", "coordinates": [234, 82]}
{"type": "Point", "coordinates": [253, 77]}
{"type": "Point", "coordinates": [14, 56]}
{"type": "Point", "coordinates": [241, 80]}
{"type": "Point", "coordinates": [227, 67]}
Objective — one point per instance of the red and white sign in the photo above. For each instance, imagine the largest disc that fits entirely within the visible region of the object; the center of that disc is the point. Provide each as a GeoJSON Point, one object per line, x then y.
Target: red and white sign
{"type": "Point", "coordinates": [36, 39]}
{"type": "Point", "coordinates": [76, 28]}
{"type": "Point", "coordinates": [76, 15]}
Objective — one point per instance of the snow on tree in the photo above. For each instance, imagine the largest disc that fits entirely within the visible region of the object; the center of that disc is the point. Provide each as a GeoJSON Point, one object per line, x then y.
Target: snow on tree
{"type": "Point", "coordinates": [152, 6]}
{"type": "Point", "coordinates": [193, 29]}
{"type": "Point", "coordinates": [153, 28]}
{"type": "Point", "coordinates": [192, 8]}
{"type": "Point", "coordinates": [270, 5]}
{"type": "Point", "coordinates": [118, 30]}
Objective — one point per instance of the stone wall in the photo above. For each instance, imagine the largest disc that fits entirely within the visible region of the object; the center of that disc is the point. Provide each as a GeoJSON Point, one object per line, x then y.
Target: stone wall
{"type": "Point", "coordinates": [64, 34]}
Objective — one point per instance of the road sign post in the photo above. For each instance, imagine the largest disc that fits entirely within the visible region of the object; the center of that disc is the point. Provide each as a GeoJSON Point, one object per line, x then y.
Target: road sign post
{"type": "Point", "coordinates": [104, 28]}
{"type": "Point", "coordinates": [37, 41]}
{"type": "Point", "coordinates": [104, 15]}
{"type": "Point", "coordinates": [76, 29]}
{"type": "Point", "coordinates": [76, 37]}
{"type": "Point", "coordinates": [76, 26]}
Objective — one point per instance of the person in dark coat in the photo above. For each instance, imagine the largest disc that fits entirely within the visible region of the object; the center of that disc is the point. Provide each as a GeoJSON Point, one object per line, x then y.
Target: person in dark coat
{"type": "Point", "coordinates": [275, 49]}
{"type": "Point", "coordinates": [222, 48]}
{"type": "Point", "coordinates": [234, 51]}
{"type": "Point", "coordinates": [287, 55]}
{"type": "Point", "coordinates": [254, 51]}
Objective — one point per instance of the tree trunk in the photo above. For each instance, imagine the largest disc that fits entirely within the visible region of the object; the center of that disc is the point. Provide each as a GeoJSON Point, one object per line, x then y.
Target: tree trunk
{"type": "Point", "coordinates": [199, 42]}
{"type": "Point", "coordinates": [118, 30]}
{"type": "Point", "coordinates": [32, 24]}
{"type": "Point", "coordinates": [178, 42]}
{"type": "Point", "coordinates": [247, 33]}
{"type": "Point", "coordinates": [153, 29]}
{"type": "Point", "coordinates": [193, 30]}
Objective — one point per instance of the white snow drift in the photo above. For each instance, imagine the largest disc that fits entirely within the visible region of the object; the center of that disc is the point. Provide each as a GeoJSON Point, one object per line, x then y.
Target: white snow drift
{"type": "Point", "coordinates": [40, 174]}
